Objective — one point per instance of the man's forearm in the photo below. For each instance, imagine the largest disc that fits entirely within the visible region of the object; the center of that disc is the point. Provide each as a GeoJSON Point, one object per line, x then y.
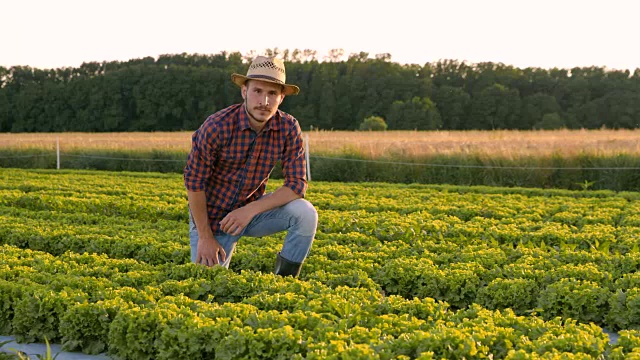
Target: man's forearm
{"type": "Point", "coordinates": [198, 207]}
{"type": "Point", "coordinates": [283, 195]}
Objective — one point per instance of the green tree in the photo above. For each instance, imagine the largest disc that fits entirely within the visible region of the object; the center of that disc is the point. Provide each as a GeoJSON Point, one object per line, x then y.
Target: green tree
{"type": "Point", "coordinates": [621, 109]}
{"type": "Point", "coordinates": [448, 73]}
{"type": "Point", "coordinates": [28, 109]}
{"type": "Point", "coordinates": [418, 114]}
{"type": "Point", "coordinates": [327, 107]}
{"type": "Point", "coordinates": [589, 115]}
{"type": "Point", "coordinates": [178, 91]}
{"type": "Point", "coordinates": [373, 123]}
{"type": "Point", "coordinates": [550, 121]}
{"type": "Point", "coordinates": [5, 122]}
{"type": "Point", "coordinates": [534, 107]}
{"type": "Point", "coordinates": [453, 104]}
{"type": "Point", "coordinates": [495, 107]}
{"type": "Point", "coordinates": [5, 105]}
{"type": "Point", "coordinates": [576, 96]}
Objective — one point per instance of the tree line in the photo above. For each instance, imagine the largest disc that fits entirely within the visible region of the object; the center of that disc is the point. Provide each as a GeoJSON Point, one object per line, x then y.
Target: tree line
{"type": "Point", "coordinates": [178, 91]}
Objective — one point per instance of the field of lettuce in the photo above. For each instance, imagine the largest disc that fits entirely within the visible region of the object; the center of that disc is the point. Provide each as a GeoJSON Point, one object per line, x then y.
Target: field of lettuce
{"type": "Point", "coordinates": [99, 262]}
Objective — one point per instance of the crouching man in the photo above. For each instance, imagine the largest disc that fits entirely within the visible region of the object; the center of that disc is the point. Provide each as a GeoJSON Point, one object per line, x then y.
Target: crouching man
{"type": "Point", "coordinates": [232, 155]}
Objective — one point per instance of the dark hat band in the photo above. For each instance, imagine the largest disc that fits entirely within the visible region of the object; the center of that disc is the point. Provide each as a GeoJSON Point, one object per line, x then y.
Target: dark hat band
{"type": "Point", "coordinates": [265, 77]}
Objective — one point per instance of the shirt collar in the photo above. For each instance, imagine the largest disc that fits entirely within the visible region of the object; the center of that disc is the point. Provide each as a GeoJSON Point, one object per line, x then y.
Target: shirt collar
{"type": "Point", "coordinates": [245, 124]}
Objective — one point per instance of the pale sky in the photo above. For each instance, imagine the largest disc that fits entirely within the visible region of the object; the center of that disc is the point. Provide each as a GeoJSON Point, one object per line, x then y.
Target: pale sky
{"type": "Point", "coordinates": [541, 33]}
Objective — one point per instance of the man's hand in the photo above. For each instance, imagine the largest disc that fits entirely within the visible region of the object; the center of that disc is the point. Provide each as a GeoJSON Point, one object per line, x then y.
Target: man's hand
{"type": "Point", "coordinates": [208, 252]}
{"type": "Point", "coordinates": [237, 220]}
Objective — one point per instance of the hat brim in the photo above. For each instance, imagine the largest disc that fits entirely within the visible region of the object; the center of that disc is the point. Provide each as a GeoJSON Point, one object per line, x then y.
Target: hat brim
{"type": "Point", "coordinates": [288, 88]}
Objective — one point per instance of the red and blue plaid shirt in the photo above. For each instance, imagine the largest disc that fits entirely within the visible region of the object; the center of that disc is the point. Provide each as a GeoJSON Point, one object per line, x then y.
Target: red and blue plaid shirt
{"type": "Point", "coordinates": [232, 163]}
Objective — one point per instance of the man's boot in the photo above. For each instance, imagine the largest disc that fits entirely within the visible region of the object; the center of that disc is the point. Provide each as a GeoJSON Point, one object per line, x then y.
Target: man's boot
{"type": "Point", "coordinates": [285, 267]}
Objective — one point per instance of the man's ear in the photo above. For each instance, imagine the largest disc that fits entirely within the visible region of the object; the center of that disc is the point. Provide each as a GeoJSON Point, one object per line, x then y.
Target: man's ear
{"type": "Point", "coordinates": [243, 91]}
{"type": "Point", "coordinates": [281, 99]}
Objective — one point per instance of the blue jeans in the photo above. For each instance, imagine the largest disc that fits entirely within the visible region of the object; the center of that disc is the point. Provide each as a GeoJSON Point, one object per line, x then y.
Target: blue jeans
{"type": "Point", "coordinates": [298, 217]}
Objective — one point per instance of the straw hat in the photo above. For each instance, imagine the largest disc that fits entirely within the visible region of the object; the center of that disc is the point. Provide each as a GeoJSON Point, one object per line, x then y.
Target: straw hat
{"type": "Point", "coordinates": [267, 69]}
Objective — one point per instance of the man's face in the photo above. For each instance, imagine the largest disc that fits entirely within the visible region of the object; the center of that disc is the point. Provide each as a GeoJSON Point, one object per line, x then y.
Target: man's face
{"type": "Point", "coordinates": [262, 100]}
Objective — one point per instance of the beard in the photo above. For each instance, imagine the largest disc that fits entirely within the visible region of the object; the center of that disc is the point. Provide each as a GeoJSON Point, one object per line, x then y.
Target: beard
{"type": "Point", "coordinates": [259, 114]}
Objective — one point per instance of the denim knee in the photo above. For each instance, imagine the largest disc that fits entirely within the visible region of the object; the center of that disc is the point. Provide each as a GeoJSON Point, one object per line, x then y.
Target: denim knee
{"type": "Point", "coordinates": [305, 215]}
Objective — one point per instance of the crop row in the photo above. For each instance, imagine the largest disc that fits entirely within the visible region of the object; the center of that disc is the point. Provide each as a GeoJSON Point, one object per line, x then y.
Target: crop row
{"type": "Point", "coordinates": [523, 278]}
{"type": "Point", "coordinates": [102, 260]}
{"type": "Point", "coordinates": [588, 286]}
{"type": "Point", "coordinates": [154, 196]}
{"type": "Point", "coordinates": [189, 309]}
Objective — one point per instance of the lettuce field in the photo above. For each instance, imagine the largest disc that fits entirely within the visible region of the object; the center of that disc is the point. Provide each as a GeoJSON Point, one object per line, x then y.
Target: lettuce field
{"type": "Point", "coordinates": [99, 262]}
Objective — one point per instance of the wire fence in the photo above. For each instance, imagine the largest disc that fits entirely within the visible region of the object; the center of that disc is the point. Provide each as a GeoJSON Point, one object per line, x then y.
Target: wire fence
{"type": "Point", "coordinates": [580, 173]}
{"type": "Point", "coordinates": [121, 158]}
{"type": "Point", "coordinates": [331, 158]}
{"type": "Point", "coordinates": [25, 156]}
{"type": "Point", "coordinates": [476, 166]}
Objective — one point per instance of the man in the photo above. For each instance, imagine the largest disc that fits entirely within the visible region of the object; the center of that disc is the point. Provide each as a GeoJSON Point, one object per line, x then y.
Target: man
{"type": "Point", "coordinates": [232, 155]}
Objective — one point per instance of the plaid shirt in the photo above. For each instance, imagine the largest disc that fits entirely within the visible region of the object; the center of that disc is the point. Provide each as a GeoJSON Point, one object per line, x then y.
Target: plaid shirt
{"type": "Point", "coordinates": [232, 163]}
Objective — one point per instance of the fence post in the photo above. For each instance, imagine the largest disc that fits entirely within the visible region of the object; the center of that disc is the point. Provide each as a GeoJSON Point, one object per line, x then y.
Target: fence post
{"type": "Point", "coordinates": [306, 155]}
{"type": "Point", "coordinates": [58, 152]}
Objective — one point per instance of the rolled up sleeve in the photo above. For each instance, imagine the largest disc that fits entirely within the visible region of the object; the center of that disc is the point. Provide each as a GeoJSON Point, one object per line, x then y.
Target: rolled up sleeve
{"type": "Point", "coordinates": [200, 160]}
{"type": "Point", "coordinates": [294, 164]}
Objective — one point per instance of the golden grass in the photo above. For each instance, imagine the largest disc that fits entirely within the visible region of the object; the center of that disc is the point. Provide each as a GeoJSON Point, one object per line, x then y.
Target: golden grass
{"type": "Point", "coordinates": [115, 141]}
{"type": "Point", "coordinates": [502, 143]}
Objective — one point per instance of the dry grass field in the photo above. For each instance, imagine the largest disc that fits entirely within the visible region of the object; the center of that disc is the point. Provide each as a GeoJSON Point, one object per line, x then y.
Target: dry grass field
{"type": "Point", "coordinates": [502, 143]}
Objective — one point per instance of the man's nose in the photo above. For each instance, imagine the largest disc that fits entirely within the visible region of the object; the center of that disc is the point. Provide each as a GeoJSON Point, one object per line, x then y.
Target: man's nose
{"type": "Point", "coordinates": [266, 100]}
